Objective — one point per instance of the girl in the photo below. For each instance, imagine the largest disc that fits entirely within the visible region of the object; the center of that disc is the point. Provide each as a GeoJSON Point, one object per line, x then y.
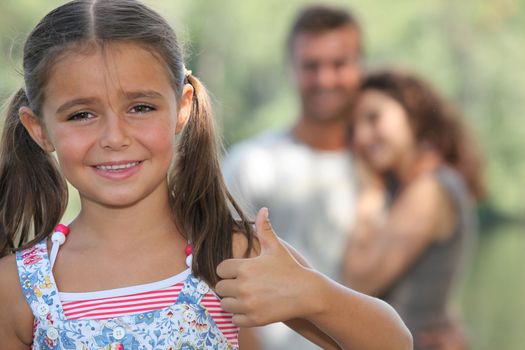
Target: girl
{"type": "Point", "coordinates": [107, 92]}
{"type": "Point", "coordinates": [427, 174]}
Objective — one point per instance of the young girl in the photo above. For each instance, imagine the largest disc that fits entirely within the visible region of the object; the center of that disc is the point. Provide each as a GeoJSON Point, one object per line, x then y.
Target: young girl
{"type": "Point", "coordinates": [155, 258]}
{"type": "Point", "coordinates": [428, 172]}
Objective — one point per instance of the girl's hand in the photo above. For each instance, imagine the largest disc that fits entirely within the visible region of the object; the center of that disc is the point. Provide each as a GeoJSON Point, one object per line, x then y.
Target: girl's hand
{"type": "Point", "coordinates": [277, 285]}
{"type": "Point", "coordinates": [267, 288]}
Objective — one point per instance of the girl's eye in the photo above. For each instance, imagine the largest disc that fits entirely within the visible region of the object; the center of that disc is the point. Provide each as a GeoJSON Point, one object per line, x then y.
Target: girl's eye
{"type": "Point", "coordinates": [81, 116]}
{"type": "Point", "coordinates": [141, 109]}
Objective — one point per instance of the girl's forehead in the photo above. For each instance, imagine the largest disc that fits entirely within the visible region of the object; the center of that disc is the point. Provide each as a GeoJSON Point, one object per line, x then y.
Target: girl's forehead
{"type": "Point", "coordinates": [106, 69]}
{"type": "Point", "coordinates": [112, 58]}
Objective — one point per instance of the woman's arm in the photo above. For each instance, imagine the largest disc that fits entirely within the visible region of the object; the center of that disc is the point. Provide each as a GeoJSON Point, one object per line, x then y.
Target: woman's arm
{"type": "Point", "coordinates": [16, 320]}
{"type": "Point", "coordinates": [274, 286]}
{"type": "Point", "coordinates": [381, 251]}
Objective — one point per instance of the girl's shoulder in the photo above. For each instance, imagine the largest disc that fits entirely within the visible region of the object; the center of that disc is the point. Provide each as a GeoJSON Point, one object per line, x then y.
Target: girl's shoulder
{"type": "Point", "coordinates": [240, 246]}
{"type": "Point", "coordinates": [16, 319]}
{"type": "Point", "coordinates": [8, 271]}
{"type": "Point", "coordinates": [9, 280]}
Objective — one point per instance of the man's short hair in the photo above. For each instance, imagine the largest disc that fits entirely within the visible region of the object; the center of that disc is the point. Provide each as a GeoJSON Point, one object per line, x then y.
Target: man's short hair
{"type": "Point", "coordinates": [320, 18]}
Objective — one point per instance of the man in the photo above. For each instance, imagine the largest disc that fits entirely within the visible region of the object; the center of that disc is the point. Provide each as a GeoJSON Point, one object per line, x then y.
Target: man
{"type": "Point", "coordinates": [305, 175]}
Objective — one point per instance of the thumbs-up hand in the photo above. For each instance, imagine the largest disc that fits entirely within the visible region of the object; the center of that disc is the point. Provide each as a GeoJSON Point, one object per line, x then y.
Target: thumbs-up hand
{"type": "Point", "coordinates": [265, 289]}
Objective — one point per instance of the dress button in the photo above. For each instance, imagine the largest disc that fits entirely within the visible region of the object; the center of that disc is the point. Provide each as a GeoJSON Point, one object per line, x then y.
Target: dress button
{"type": "Point", "coordinates": [202, 287]}
{"type": "Point", "coordinates": [43, 309]}
{"type": "Point", "coordinates": [119, 333]}
{"type": "Point", "coordinates": [52, 333]}
{"type": "Point", "coordinates": [189, 315]}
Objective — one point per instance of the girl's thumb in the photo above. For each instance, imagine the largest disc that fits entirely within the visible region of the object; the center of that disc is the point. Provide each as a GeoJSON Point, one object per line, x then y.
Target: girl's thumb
{"type": "Point", "coordinates": [267, 237]}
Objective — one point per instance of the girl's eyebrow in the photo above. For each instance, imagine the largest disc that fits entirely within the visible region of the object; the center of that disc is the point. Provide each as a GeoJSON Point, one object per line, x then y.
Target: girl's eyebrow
{"type": "Point", "coordinates": [74, 102]}
{"type": "Point", "coordinates": [130, 95]}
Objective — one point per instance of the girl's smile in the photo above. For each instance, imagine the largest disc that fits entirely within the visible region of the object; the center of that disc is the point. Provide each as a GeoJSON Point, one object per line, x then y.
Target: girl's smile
{"type": "Point", "coordinates": [118, 170]}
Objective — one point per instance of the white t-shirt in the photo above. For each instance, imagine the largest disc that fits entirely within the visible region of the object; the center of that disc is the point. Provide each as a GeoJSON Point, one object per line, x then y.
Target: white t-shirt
{"type": "Point", "coordinates": [311, 197]}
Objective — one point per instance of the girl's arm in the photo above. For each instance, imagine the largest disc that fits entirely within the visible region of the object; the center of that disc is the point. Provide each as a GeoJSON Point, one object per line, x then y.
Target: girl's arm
{"type": "Point", "coordinates": [248, 339]}
{"type": "Point", "coordinates": [274, 286]}
{"type": "Point", "coordinates": [381, 250]}
{"type": "Point", "coordinates": [16, 320]}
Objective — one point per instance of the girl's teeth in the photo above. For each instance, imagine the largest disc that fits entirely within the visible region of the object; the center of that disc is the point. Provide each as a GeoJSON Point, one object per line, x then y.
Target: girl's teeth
{"type": "Point", "coordinates": [117, 167]}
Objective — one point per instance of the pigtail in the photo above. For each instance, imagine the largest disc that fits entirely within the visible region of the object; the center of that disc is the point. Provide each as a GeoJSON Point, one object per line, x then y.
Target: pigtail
{"type": "Point", "coordinates": [33, 194]}
{"type": "Point", "coordinates": [201, 201]}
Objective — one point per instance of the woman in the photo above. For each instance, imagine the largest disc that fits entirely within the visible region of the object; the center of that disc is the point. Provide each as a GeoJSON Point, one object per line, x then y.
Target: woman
{"type": "Point", "coordinates": [416, 218]}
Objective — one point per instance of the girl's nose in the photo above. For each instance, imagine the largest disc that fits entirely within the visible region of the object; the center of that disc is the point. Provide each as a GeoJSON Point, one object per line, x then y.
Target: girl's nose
{"type": "Point", "coordinates": [115, 135]}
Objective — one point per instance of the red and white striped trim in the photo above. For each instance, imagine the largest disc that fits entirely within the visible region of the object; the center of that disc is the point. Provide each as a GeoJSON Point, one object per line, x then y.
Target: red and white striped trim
{"type": "Point", "coordinates": [104, 305]}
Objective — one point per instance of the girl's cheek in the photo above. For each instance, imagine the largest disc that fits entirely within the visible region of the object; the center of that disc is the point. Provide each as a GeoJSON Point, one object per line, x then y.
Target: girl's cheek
{"type": "Point", "coordinates": [162, 141]}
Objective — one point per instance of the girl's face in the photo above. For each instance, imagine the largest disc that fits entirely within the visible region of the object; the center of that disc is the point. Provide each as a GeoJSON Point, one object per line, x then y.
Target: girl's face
{"type": "Point", "coordinates": [382, 135]}
{"type": "Point", "coordinates": [111, 116]}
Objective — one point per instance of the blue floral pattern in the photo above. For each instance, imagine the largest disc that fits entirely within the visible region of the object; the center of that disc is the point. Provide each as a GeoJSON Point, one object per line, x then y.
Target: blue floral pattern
{"type": "Point", "coordinates": [185, 325]}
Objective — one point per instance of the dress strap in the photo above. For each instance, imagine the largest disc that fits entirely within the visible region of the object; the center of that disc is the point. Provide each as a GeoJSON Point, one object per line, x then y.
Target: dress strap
{"type": "Point", "coordinates": [58, 238]}
{"type": "Point", "coordinates": [38, 286]}
{"type": "Point", "coordinates": [193, 291]}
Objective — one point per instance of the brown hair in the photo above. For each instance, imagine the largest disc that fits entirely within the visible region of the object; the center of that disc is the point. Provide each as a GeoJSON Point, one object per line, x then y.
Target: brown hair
{"type": "Point", "coordinates": [319, 18]}
{"type": "Point", "coordinates": [33, 193]}
{"type": "Point", "coordinates": [433, 120]}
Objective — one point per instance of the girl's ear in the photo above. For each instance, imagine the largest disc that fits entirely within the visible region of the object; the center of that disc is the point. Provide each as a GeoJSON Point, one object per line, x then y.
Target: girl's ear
{"type": "Point", "coordinates": [35, 128]}
{"type": "Point", "coordinates": [185, 107]}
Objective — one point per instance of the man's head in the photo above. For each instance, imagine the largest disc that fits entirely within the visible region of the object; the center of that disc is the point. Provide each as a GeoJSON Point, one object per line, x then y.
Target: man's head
{"type": "Point", "coordinates": [325, 51]}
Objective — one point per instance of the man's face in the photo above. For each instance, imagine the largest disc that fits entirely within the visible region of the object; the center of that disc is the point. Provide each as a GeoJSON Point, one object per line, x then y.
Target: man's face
{"type": "Point", "coordinates": [326, 68]}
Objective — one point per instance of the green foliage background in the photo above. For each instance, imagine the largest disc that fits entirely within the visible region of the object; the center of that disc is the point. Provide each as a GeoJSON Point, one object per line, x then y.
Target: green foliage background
{"type": "Point", "coordinates": [472, 50]}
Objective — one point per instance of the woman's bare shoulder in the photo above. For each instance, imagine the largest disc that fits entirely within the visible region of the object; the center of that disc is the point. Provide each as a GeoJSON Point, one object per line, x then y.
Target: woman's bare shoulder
{"type": "Point", "coordinates": [425, 191]}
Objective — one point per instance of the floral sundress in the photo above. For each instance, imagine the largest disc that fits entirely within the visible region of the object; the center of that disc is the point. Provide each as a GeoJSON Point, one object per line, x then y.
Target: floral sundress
{"type": "Point", "coordinates": [184, 325]}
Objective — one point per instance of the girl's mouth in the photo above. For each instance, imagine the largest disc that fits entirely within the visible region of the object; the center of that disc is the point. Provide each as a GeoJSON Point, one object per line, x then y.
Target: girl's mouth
{"type": "Point", "coordinates": [117, 167]}
{"type": "Point", "coordinates": [118, 170]}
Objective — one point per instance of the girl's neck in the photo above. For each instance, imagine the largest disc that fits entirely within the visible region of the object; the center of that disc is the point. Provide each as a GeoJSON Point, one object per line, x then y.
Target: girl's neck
{"type": "Point", "coordinates": [146, 221]}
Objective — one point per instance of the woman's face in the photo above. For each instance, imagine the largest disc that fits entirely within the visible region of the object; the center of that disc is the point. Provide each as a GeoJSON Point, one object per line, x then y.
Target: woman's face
{"type": "Point", "coordinates": [382, 135]}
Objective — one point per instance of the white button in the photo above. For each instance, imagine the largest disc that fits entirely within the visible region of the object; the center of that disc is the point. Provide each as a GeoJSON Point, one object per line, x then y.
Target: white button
{"type": "Point", "coordinates": [52, 333]}
{"type": "Point", "coordinates": [43, 309]}
{"type": "Point", "coordinates": [202, 287]}
{"type": "Point", "coordinates": [119, 333]}
{"type": "Point", "coordinates": [189, 315]}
